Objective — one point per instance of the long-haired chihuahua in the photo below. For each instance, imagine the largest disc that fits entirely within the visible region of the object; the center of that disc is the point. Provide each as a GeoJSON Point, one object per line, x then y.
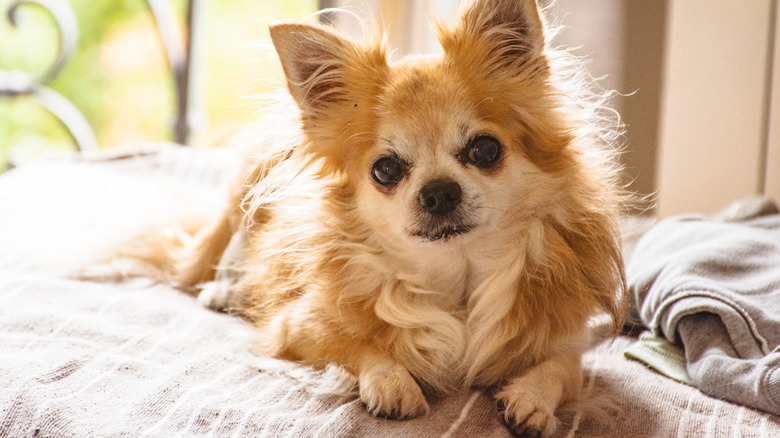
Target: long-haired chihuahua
{"type": "Point", "coordinates": [439, 223]}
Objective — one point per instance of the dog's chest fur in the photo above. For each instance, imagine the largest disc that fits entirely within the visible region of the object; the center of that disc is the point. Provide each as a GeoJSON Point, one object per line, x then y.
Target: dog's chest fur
{"type": "Point", "coordinates": [437, 312]}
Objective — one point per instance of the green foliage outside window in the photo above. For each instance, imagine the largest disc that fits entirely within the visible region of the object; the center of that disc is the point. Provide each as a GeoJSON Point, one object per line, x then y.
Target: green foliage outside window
{"type": "Point", "coordinates": [119, 76]}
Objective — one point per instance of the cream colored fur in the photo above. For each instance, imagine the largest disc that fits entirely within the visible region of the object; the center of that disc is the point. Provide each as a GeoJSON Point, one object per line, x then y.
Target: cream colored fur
{"type": "Point", "coordinates": [333, 266]}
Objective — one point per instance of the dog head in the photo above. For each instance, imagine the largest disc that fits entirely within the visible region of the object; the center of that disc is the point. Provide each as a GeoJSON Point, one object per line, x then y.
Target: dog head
{"type": "Point", "coordinates": [438, 150]}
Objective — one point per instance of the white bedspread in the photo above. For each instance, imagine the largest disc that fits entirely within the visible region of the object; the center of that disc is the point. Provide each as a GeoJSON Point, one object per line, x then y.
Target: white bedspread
{"type": "Point", "coordinates": [81, 358]}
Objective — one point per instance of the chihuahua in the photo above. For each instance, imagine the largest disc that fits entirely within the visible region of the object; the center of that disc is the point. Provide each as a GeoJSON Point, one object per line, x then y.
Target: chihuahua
{"type": "Point", "coordinates": [440, 223]}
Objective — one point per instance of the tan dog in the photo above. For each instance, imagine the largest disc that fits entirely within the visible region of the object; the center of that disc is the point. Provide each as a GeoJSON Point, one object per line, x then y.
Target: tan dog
{"type": "Point", "coordinates": [439, 223]}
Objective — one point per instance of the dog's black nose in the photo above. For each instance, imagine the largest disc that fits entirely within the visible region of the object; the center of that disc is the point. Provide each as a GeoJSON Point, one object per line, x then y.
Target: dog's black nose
{"type": "Point", "coordinates": [440, 197]}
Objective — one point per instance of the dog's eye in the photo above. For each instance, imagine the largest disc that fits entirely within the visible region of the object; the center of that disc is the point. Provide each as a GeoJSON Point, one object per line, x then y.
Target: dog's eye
{"type": "Point", "coordinates": [388, 170]}
{"type": "Point", "coordinates": [483, 152]}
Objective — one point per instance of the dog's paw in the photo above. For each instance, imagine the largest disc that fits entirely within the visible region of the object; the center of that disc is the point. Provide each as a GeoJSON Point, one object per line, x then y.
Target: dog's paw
{"type": "Point", "coordinates": [221, 296]}
{"type": "Point", "coordinates": [391, 392]}
{"type": "Point", "coordinates": [526, 414]}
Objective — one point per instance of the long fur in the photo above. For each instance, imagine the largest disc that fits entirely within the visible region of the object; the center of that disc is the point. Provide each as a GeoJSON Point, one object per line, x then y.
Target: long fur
{"type": "Point", "coordinates": [327, 268]}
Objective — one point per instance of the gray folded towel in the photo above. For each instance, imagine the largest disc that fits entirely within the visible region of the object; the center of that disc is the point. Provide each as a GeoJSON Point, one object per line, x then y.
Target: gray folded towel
{"type": "Point", "coordinates": [712, 287]}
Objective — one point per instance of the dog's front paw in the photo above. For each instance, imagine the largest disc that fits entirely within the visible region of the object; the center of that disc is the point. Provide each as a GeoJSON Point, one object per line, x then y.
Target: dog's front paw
{"type": "Point", "coordinates": [526, 413]}
{"type": "Point", "coordinates": [391, 392]}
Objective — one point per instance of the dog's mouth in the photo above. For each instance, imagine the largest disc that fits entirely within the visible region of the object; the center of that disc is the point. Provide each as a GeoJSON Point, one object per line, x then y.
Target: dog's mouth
{"type": "Point", "coordinates": [442, 233]}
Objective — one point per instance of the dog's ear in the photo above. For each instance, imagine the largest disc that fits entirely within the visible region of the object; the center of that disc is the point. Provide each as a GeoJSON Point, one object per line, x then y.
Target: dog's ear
{"type": "Point", "coordinates": [313, 62]}
{"type": "Point", "coordinates": [499, 37]}
{"type": "Point", "coordinates": [319, 64]}
{"type": "Point", "coordinates": [501, 44]}
{"type": "Point", "coordinates": [335, 82]}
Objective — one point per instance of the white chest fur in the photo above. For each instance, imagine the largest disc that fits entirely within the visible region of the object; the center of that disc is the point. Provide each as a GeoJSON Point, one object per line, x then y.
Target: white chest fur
{"type": "Point", "coordinates": [432, 305]}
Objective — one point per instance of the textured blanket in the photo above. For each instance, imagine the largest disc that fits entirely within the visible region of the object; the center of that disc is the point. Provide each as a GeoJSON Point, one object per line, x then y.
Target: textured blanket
{"type": "Point", "coordinates": [105, 359]}
{"type": "Point", "coordinates": [712, 286]}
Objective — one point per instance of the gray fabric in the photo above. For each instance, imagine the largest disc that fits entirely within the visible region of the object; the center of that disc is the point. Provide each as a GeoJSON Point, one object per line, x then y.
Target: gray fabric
{"type": "Point", "coordinates": [713, 286]}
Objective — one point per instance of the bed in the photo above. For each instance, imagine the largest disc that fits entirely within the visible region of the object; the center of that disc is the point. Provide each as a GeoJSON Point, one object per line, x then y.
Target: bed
{"type": "Point", "coordinates": [83, 358]}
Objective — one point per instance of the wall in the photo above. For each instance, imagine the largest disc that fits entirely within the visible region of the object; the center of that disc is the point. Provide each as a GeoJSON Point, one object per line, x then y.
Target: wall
{"type": "Point", "coordinates": [716, 104]}
{"type": "Point", "coordinates": [772, 172]}
{"type": "Point", "coordinates": [623, 41]}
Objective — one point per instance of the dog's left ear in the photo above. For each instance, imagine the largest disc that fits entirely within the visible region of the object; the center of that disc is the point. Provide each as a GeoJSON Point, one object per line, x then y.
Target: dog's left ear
{"type": "Point", "coordinates": [502, 44]}
{"type": "Point", "coordinates": [499, 37]}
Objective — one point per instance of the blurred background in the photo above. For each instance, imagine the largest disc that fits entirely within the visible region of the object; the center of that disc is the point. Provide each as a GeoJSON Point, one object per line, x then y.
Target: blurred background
{"type": "Point", "coordinates": [699, 82]}
{"type": "Point", "coordinates": [119, 78]}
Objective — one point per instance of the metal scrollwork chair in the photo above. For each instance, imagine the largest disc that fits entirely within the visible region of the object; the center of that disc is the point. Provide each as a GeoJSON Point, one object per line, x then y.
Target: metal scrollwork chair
{"type": "Point", "coordinates": [183, 55]}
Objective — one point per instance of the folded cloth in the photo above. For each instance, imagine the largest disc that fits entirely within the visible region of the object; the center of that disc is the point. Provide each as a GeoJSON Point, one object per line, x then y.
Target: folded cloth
{"type": "Point", "coordinates": [712, 286]}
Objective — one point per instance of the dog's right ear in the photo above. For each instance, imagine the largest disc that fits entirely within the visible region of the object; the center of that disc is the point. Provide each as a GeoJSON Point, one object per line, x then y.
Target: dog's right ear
{"type": "Point", "coordinates": [318, 63]}
{"type": "Point", "coordinates": [334, 81]}
{"type": "Point", "coordinates": [313, 63]}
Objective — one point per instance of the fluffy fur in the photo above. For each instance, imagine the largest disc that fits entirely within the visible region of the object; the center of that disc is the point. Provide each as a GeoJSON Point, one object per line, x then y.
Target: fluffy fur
{"type": "Point", "coordinates": [333, 266]}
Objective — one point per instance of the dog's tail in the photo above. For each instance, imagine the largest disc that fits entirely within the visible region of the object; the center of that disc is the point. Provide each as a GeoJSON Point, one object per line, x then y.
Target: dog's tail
{"type": "Point", "coordinates": [159, 252]}
{"type": "Point", "coordinates": [187, 245]}
{"type": "Point", "coordinates": [161, 240]}
{"type": "Point", "coordinates": [87, 220]}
